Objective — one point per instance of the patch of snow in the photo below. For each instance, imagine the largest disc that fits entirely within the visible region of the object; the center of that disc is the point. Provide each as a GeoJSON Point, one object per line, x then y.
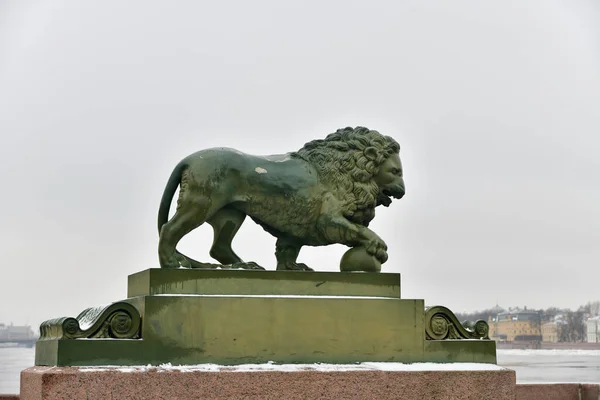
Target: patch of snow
{"type": "Point", "coordinates": [285, 296]}
{"type": "Point", "coordinates": [115, 368]}
{"type": "Point", "coordinates": [88, 319]}
{"type": "Point", "coordinates": [271, 366]}
{"type": "Point", "coordinates": [260, 170]}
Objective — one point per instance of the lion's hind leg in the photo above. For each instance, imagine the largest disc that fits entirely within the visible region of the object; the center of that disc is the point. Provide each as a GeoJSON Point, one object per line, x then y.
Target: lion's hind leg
{"type": "Point", "coordinates": [189, 216]}
{"type": "Point", "coordinates": [226, 222]}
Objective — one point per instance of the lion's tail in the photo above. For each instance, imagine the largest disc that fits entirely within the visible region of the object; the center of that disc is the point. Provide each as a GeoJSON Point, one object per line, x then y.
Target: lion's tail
{"type": "Point", "coordinates": [165, 205]}
{"type": "Point", "coordinates": [168, 193]}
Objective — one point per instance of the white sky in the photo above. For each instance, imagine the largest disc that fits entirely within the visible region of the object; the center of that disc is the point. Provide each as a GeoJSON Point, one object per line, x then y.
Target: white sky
{"type": "Point", "coordinates": [496, 106]}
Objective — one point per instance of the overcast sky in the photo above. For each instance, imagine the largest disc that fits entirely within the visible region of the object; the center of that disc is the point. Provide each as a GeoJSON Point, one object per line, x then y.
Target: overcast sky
{"type": "Point", "coordinates": [496, 106]}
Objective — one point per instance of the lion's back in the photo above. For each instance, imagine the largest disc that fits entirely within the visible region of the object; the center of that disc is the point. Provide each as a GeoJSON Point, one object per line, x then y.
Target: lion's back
{"type": "Point", "coordinates": [216, 157]}
{"type": "Point", "coordinates": [281, 193]}
{"type": "Point", "coordinates": [284, 195]}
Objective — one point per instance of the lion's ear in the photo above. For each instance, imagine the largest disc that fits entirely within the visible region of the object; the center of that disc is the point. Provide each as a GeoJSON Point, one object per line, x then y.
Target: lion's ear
{"type": "Point", "coordinates": [371, 153]}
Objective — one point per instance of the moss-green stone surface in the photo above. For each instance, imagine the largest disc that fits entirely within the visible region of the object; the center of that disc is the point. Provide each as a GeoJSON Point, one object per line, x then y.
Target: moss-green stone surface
{"type": "Point", "coordinates": [235, 317]}
{"type": "Point", "coordinates": [241, 282]}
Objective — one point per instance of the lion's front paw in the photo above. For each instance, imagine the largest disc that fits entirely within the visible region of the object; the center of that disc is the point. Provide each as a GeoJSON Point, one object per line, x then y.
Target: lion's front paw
{"type": "Point", "coordinates": [377, 248]}
{"type": "Point", "coordinates": [293, 266]}
{"type": "Point", "coordinates": [304, 267]}
{"type": "Point", "coordinates": [382, 256]}
{"type": "Point", "coordinates": [253, 265]}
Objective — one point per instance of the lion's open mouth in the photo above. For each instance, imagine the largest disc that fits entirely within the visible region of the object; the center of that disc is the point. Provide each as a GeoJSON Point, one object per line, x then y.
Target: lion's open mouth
{"type": "Point", "coordinates": [385, 198]}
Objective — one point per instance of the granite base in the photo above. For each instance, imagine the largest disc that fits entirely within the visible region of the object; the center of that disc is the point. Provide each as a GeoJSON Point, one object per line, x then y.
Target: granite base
{"type": "Point", "coordinates": [558, 391]}
{"type": "Point", "coordinates": [53, 383]}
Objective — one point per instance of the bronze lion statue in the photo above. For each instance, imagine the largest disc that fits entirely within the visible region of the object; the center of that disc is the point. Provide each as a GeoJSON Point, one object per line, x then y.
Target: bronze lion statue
{"type": "Point", "coordinates": [322, 194]}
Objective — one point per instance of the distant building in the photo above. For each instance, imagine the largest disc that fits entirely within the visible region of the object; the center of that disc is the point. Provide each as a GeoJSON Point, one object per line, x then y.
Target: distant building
{"type": "Point", "coordinates": [15, 332]}
{"type": "Point", "coordinates": [551, 331]}
{"type": "Point", "coordinates": [593, 329]}
{"type": "Point", "coordinates": [515, 325]}
{"type": "Point", "coordinates": [497, 309]}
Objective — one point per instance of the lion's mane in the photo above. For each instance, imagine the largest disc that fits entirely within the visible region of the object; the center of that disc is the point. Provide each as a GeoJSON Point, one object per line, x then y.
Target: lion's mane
{"type": "Point", "coordinates": [341, 162]}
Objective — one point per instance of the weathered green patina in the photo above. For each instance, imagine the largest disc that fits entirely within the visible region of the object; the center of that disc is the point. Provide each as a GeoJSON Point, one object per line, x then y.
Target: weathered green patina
{"type": "Point", "coordinates": [191, 317]}
{"type": "Point", "coordinates": [357, 259]}
{"type": "Point", "coordinates": [325, 193]}
{"type": "Point", "coordinates": [271, 283]}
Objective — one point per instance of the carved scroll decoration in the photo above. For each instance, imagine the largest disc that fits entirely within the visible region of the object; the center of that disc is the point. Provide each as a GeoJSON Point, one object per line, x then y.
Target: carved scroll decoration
{"type": "Point", "coordinates": [441, 323]}
{"type": "Point", "coordinates": [119, 320]}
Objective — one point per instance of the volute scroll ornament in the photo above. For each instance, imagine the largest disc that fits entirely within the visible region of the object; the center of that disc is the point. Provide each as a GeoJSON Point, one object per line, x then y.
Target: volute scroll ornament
{"type": "Point", "coordinates": [118, 320]}
{"type": "Point", "coordinates": [441, 324]}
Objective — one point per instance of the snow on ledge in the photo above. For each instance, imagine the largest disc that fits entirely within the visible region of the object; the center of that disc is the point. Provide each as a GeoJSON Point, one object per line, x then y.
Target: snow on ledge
{"type": "Point", "coordinates": [270, 366]}
{"type": "Point", "coordinates": [277, 296]}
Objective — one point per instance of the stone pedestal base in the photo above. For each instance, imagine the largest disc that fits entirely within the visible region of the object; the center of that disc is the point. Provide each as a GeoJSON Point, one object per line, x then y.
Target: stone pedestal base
{"type": "Point", "coordinates": [417, 382]}
{"type": "Point", "coordinates": [189, 317]}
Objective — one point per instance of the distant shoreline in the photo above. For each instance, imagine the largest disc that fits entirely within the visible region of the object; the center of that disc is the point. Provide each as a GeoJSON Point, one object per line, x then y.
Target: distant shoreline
{"type": "Point", "coordinates": [547, 346]}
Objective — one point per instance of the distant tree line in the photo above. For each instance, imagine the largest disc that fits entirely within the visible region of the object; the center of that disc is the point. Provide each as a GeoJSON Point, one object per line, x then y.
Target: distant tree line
{"type": "Point", "coordinates": [572, 323]}
{"type": "Point", "coordinates": [477, 315]}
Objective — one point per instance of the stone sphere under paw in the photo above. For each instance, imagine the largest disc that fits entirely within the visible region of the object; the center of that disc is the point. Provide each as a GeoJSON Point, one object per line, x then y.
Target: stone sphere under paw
{"type": "Point", "coordinates": [358, 260]}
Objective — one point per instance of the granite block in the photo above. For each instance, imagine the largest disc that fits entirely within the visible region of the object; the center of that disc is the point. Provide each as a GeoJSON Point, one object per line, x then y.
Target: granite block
{"type": "Point", "coordinates": [557, 391]}
{"type": "Point", "coordinates": [53, 383]}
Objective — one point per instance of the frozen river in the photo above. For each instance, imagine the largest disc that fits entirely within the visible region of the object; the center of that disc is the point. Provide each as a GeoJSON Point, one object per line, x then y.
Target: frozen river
{"type": "Point", "coordinates": [581, 366]}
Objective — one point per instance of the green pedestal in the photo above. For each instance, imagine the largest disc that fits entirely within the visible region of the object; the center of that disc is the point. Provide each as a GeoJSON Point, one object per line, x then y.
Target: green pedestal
{"type": "Point", "coordinates": [243, 282]}
{"type": "Point", "coordinates": [235, 317]}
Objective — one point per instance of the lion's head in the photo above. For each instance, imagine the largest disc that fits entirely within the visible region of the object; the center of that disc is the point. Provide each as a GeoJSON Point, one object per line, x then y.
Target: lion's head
{"type": "Point", "coordinates": [362, 165]}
